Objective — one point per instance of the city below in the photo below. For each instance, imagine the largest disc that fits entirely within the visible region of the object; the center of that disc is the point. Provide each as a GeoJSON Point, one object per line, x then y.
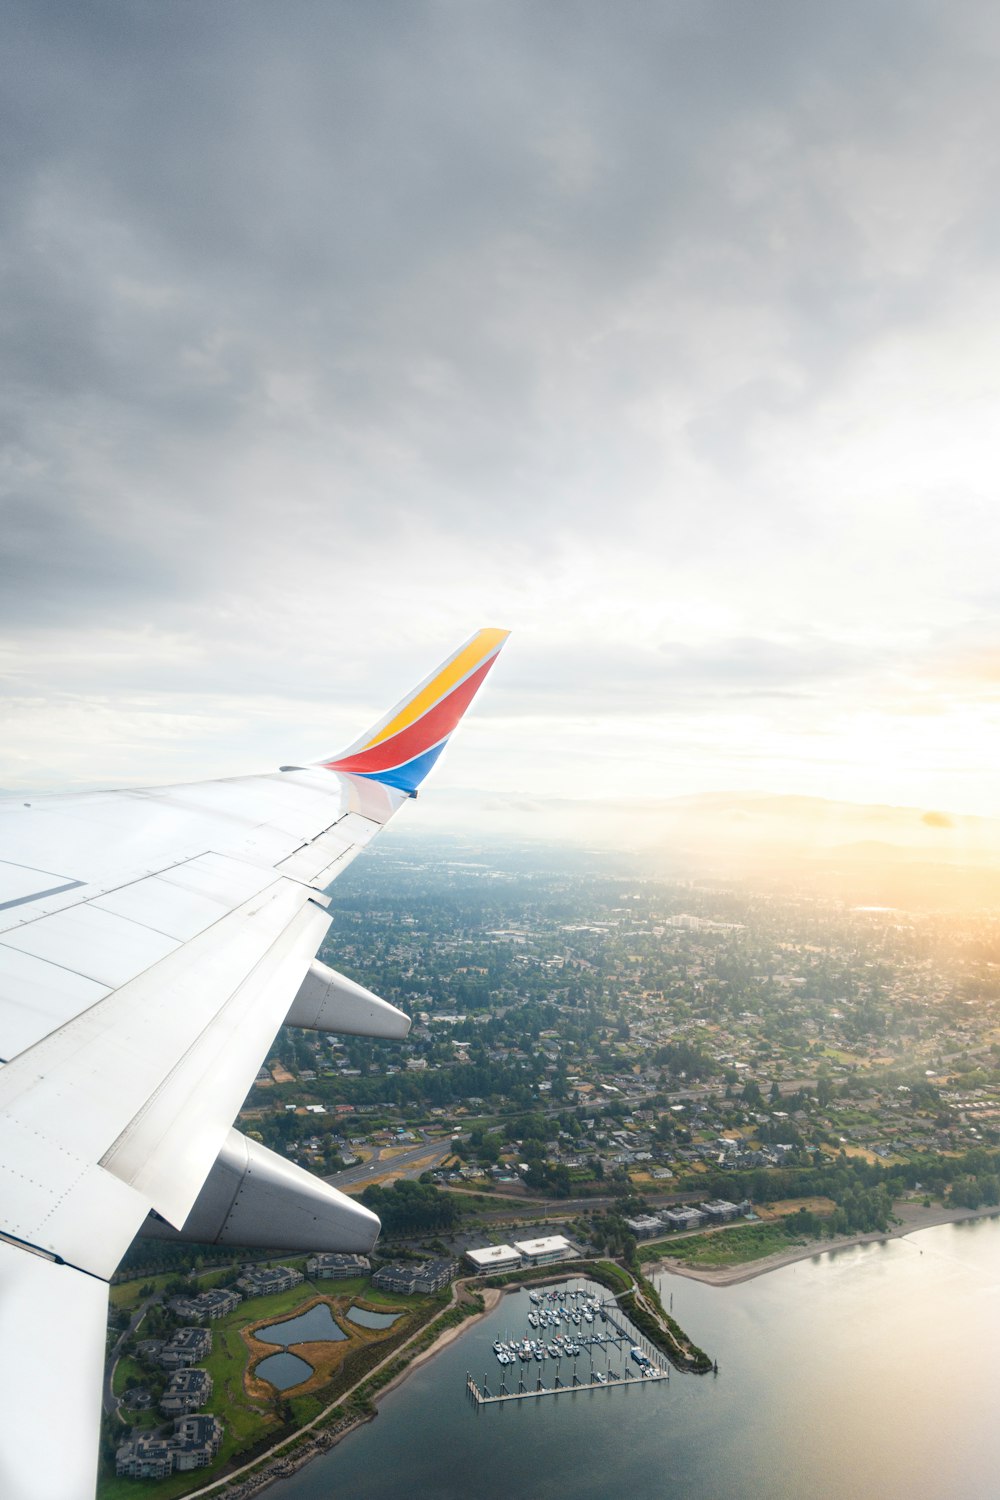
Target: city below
{"type": "Point", "coordinates": [606, 1069]}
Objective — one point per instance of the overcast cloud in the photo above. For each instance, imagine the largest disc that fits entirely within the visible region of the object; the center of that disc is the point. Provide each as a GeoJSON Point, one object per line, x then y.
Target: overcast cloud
{"type": "Point", "coordinates": [663, 334]}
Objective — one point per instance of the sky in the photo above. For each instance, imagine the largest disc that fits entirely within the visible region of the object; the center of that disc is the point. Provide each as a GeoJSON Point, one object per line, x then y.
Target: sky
{"type": "Point", "coordinates": [661, 334]}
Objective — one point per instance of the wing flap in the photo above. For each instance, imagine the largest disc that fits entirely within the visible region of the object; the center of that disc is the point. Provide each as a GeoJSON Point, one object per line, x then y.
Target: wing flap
{"type": "Point", "coordinates": [147, 1081]}
{"type": "Point", "coordinates": [167, 1150]}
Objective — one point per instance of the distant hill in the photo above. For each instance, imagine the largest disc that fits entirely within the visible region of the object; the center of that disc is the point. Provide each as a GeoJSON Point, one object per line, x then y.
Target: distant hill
{"type": "Point", "coordinates": [858, 852]}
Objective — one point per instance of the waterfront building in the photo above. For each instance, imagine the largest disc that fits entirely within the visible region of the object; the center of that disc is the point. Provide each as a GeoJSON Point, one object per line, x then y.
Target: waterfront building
{"type": "Point", "coordinates": [194, 1443]}
{"type": "Point", "coordinates": [430, 1276]}
{"type": "Point", "coordinates": [494, 1258]}
{"type": "Point", "coordinates": [539, 1252]}
{"type": "Point", "coordinates": [145, 1458]}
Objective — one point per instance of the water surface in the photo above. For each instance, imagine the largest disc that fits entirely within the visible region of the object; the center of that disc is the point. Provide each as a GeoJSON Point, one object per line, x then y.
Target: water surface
{"type": "Point", "coordinates": [866, 1372]}
{"type": "Point", "coordinates": [308, 1327]}
{"type": "Point", "coordinates": [283, 1370]}
{"type": "Point", "coordinates": [366, 1319]}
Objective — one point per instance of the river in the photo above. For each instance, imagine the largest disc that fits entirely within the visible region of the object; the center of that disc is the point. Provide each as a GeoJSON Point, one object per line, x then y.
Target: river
{"type": "Point", "coordinates": [869, 1371]}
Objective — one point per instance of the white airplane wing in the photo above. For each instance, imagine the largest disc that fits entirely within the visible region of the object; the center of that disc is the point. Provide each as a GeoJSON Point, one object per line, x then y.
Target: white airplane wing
{"type": "Point", "coordinates": [151, 943]}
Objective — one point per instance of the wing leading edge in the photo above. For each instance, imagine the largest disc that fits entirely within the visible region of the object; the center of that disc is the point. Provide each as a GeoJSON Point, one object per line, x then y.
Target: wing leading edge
{"type": "Point", "coordinates": [139, 995]}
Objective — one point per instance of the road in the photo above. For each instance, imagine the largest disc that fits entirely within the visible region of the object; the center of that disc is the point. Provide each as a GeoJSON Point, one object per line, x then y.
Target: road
{"type": "Point", "coordinates": [111, 1363]}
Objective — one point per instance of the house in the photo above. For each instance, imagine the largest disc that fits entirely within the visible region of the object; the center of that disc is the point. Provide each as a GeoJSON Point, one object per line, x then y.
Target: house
{"type": "Point", "coordinates": [196, 1441]}
{"type": "Point", "coordinates": [206, 1305]}
{"type": "Point", "coordinates": [263, 1281]}
{"type": "Point", "coordinates": [644, 1225]}
{"type": "Point", "coordinates": [186, 1391]}
{"type": "Point", "coordinates": [683, 1218]}
{"type": "Point", "coordinates": [718, 1211]}
{"type": "Point", "coordinates": [332, 1266]}
{"type": "Point", "coordinates": [193, 1445]}
{"type": "Point", "coordinates": [184, 1348]}
{"type": "Point", "coordinates": [429, 1276]}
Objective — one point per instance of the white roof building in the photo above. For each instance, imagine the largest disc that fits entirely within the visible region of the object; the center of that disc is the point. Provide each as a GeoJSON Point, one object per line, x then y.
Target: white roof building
{"type": "Point", "coordinates": [494, 1258]}
{"type": "Point", "coordinates": [552, 1247]}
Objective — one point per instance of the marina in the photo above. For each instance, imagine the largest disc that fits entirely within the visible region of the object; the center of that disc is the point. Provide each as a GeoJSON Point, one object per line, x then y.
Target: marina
{"type": "Point", "coordinates": [584, 1334]}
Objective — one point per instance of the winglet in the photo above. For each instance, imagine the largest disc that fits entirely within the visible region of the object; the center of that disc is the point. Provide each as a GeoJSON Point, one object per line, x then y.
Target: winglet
{"type": "Point", "coordinates": [402, 747]}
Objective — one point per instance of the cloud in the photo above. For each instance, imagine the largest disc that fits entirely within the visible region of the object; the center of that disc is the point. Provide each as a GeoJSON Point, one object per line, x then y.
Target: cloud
{"type": "Point", "coordinates": [662, 337]}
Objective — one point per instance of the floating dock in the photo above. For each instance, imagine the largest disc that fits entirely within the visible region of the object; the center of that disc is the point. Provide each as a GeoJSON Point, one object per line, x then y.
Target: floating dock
{"type": "Point", "coordinates": [649, 1372]}
{"type": "Point", "coordinates": [486, 1397]}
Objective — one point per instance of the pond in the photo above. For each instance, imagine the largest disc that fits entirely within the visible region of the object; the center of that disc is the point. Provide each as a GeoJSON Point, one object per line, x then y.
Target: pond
{"type": "Point", "coordinates": [309, 1327]}
{"type": "Point", "coordinates": [283, 1370]}
{"type": "Point", "coordinates": [366, 1319]}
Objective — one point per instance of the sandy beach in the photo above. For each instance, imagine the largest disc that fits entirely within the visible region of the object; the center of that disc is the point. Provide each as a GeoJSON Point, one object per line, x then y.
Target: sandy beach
{"type": "Point", "coordinates": [491, 1296]}
{"type": "Point", "coordinates": [912, 1217]}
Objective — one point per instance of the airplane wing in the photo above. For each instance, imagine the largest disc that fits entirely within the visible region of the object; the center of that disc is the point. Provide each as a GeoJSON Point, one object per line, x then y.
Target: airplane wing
{"type": "Point", "coordinates": [151, 943]}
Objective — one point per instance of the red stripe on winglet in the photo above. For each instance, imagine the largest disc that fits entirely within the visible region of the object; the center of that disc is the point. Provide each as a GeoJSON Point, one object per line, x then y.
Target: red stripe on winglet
{"type": "Point", "coordinates": [436, 724]}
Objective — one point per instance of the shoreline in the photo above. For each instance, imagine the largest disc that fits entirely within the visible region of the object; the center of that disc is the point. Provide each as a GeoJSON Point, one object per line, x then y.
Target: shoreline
{"type": "Point", "coordinates": [267, 1470]}
{"type": "Point", "coordinates": [491, 1295]}
{"type": "Point", "coordinates": [913, 1217]}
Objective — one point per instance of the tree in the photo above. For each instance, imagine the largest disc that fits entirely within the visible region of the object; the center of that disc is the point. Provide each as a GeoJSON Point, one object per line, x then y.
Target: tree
{"type": "Point", "coordinates": [751, 1095]}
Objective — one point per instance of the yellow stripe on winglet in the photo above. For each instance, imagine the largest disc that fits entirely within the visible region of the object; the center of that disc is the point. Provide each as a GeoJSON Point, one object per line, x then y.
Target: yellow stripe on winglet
{"type": "Point", "coordinates": [467, 660]}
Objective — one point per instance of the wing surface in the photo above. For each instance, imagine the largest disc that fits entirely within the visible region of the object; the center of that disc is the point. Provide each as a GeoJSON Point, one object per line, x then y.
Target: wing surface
{"type": "Point", "coordinates": [151, 943]}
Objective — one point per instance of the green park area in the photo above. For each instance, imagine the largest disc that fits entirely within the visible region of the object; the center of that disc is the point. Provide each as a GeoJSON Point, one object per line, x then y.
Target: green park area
{"type": "Point", "coordinates": [719, 1249]}
{"type": "Point", "coordinates": [254, 1415]}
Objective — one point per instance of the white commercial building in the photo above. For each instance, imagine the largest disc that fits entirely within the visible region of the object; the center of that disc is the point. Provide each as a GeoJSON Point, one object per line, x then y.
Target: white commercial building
{"type": "Point", "coordinates": [535, 1252]}
{"type": "Point", "coordinates": [494, 1258]}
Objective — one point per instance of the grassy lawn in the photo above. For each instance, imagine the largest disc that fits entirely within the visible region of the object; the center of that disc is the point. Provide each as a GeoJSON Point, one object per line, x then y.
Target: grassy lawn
{"type": "Point", "coordinates": [245, 1421]}
{"type": "Point", "coordinates": [125, 1367]}
{"type": "Point", "coordinates": [731, 1247]}
{"type": "Point", "coordinates": [470, 1202]}
{"type": "Point", "coordinates": [126, 1294]}
{"type": "Point", "coordinates": [782, 1207]}
{"type": "Point", "coordinates": [613, 1275]}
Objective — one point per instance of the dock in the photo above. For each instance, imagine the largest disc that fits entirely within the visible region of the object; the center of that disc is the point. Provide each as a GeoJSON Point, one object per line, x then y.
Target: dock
{"type": "Point", "coordinates": [612, 1344]}
{"type": "Point", "coordinates": [486, 1397]}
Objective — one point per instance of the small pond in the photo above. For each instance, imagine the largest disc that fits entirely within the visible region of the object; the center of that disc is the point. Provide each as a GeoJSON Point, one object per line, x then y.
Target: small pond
{"type": "Point", "coordinates": [283, 1370]}
{"type": "Point", "coordinates": [315, 1325]}
{"type": "Point", "coordinates": [366, 1319]}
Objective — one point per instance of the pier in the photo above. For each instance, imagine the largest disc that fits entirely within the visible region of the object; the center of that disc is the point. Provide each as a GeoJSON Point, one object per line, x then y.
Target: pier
{"type": "Point", "coordinates": [486, 1397]}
